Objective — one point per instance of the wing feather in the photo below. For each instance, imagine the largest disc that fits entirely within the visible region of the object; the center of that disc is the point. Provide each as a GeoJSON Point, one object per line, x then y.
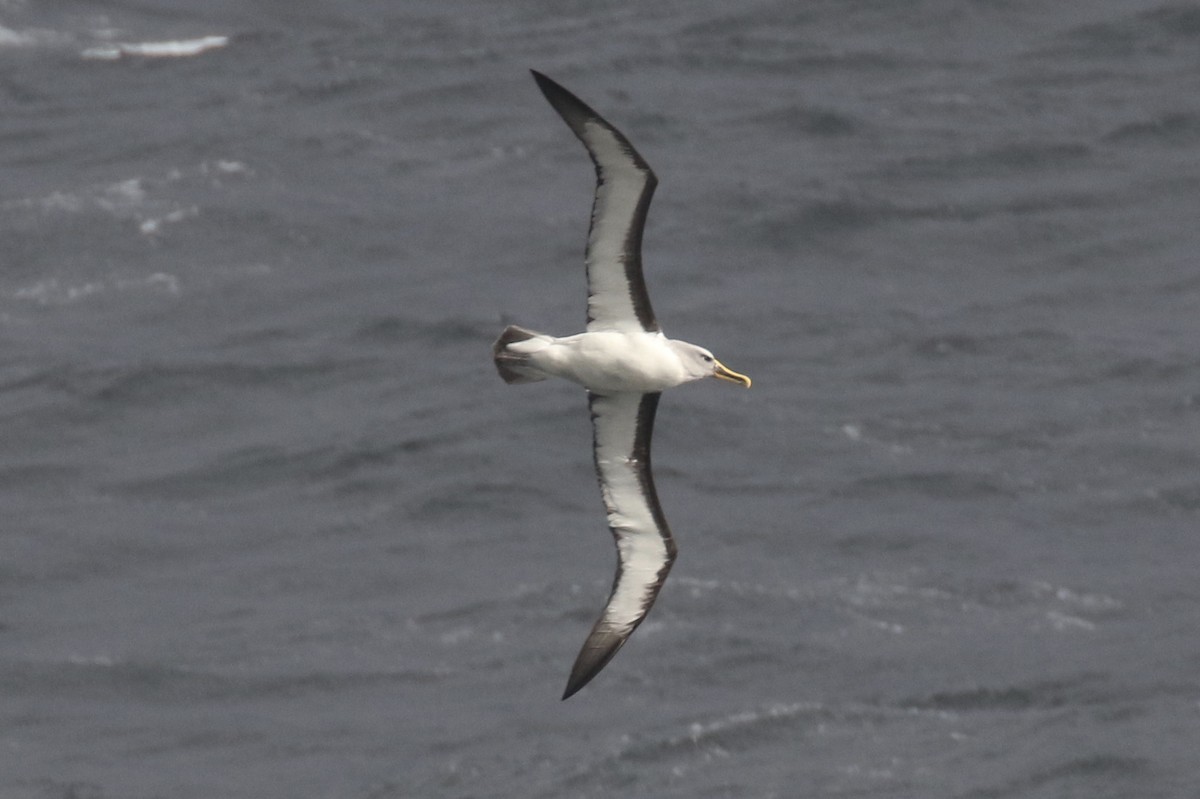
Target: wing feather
{"type": "Point", "coordinates": [622, 425]}
{"type": "Point", "coordinates": [617, 297]}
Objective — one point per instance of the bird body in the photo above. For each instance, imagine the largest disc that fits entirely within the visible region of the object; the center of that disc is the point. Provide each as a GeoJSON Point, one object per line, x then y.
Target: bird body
{"type": "Point", "coordinates": [610, 361]}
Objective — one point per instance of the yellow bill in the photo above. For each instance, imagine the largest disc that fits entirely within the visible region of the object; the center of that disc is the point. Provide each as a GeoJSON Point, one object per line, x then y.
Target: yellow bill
{"type": "Point", "coordinates": [723, 372]}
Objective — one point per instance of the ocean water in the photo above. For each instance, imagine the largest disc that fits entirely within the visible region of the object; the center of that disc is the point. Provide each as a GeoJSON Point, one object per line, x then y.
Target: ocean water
{"type": "Point", "coordinates": [273, 527]}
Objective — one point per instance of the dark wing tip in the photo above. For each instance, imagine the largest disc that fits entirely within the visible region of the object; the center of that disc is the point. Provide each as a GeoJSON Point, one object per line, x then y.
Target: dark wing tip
{"type": "Point", "coordinates": [599, 648]}
{"type": "Point", "coordinates": [575, 112]}
{"type": "Point", "coordinates": [549, 86]}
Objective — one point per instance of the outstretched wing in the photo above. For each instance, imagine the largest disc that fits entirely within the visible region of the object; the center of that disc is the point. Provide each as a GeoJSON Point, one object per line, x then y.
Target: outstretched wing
{"type": "Point", "coordinates": [622, 425]}
{"type": "Point", "coordinates": [617, 298]}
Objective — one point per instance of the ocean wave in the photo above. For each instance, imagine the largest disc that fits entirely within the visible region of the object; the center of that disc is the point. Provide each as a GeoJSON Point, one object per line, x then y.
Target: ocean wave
{"type": "Point", "coordinates": [103, 675]}
{"type": "Point", "coordinates": [147, 204]}
{"type": "Point", "coordinates": [1169, 128]}
{"type": "Point", "coordinates": [52, 291]}
{"type": "Point", "coordinates": [11, 37]}
{"type": "Point", "coordinates": [111, 50]}
{"type": "Point", "coordinates": [941, 484]}
{"type": "Point", "coordinates": [182, 48]}
{"type": "Point", "coordinates": [1048, 694]}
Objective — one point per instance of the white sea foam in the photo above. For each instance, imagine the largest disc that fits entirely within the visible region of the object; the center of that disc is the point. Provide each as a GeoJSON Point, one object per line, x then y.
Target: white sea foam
{"type": "Point", "coordinates": [1065, 621]}
{"type": "Point", "coordinates": [183, 48]}
{"type": "Point", "coordinates": [52, 291]}
{"type": "Point", "coordinates": [149, 202]}
{"type": "Point", "coordinates": [154, 224]}
{"type": "Point", "coordinates": [10, 37]}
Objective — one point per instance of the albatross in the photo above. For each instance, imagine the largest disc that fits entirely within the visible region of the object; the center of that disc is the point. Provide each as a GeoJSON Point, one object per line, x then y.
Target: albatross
{"type": "Point", "coordinates": [625, 363]}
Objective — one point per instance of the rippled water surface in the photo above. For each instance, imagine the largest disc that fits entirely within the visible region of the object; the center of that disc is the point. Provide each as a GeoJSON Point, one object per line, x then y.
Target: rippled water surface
{"type": "Point", "coordinates": [273, 527]}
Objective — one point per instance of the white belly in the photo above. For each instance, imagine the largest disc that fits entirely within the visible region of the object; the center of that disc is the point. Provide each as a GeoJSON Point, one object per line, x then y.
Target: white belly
{"type": "Point", "coordinates": [610, 361]}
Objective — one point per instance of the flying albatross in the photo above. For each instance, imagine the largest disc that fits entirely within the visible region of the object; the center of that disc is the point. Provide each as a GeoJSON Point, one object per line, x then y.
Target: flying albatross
{"type": "Point", "coordinates": [625, 362]}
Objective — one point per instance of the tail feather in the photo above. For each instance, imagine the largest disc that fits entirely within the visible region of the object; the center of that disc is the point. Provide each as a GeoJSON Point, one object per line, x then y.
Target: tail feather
{"type": "Point", "coordinates": [515, 367]}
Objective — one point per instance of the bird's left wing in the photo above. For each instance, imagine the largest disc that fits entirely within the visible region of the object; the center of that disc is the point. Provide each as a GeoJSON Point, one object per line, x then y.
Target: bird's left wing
{"type": "Point", "coordinates": [617, 297]}
{"type": "Point", "coordinates": [622, 425]}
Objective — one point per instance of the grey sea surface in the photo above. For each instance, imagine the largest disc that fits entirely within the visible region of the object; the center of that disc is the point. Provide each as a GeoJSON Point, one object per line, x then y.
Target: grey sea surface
{"type": "Point", "coordinates": [273, 527]}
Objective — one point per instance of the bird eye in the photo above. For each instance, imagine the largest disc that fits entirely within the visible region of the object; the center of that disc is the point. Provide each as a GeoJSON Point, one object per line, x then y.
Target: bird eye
{"type": "Point", "coordinates": [707, 358]}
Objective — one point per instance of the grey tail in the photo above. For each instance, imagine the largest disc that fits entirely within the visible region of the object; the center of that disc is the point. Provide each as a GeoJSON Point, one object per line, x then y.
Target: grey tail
{"type": "Point", "coordinates": [514, 367]}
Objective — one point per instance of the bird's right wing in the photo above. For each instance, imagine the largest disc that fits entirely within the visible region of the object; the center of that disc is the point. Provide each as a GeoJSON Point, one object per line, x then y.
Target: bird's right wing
{"type": "Point", "coordinates": [617, 297]}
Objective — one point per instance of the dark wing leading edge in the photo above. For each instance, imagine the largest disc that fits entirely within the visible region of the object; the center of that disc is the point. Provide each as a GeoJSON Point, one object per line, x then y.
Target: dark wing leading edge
{"type": "Point", "coordinates": [617, 298]}
{"type": "Point", "coordinates": [622, 425]}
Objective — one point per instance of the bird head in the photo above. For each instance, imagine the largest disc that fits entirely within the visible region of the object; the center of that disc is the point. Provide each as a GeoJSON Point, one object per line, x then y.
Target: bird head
{"type": "Point", "coordinates": [699, 362]}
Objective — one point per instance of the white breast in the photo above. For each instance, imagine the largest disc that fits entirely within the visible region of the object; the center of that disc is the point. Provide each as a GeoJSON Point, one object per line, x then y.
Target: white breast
{"type": "Point", "coordinates": [607, 361]}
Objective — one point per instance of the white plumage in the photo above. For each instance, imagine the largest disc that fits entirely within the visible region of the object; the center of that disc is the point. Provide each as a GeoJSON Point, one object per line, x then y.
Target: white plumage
{"type": "Point", "coordinates": [625, 362]}
{"type": "Point", "coordinates": [608, 361]}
